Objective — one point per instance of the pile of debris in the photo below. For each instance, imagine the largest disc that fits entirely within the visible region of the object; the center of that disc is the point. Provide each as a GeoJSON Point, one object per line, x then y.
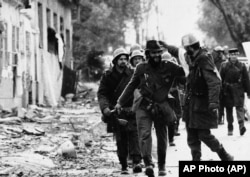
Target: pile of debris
{"type": "Point", "coordinates": [69, 140]}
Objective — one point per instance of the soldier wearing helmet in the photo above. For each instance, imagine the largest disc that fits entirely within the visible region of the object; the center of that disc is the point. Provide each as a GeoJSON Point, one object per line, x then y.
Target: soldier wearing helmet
{"type": "Point", "coordinates": [218, 56]}
{"type": "Point", "coordinates": [135, 47]}
{"type": "Point", "coordinates": [111, 86]}
{"type": "Point", "coordinates": [202, 94]}
{"type": "Point", "coordinates": [136, 57]}
{"type": "Point", "coordinates": [154, 78]}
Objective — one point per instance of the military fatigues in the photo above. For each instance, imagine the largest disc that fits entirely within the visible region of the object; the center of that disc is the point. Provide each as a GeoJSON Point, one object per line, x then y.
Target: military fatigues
{"type": "Point", "coordinates": [111, 86]}
{"type": "Point", "coordinates": [203, 87]}
{"type": "Point", "coordinates": [236, 82]}
{"type": "Point", "coordinates": [144, 80]}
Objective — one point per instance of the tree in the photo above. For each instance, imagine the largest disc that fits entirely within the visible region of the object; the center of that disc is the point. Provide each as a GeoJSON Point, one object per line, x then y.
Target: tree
{"type": "Point", "coordinates": [229, 18]}
{"type": "Point", "coordinates": [101, 24]}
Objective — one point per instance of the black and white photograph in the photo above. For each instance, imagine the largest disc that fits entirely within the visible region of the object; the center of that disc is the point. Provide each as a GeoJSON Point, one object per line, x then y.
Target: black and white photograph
{"type": "Point", "coordinates": [124, 88]}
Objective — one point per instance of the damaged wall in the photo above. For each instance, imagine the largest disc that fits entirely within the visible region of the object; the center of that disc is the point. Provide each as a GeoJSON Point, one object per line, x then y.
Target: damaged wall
{"type": "Point", "coordinates": [31, 66]}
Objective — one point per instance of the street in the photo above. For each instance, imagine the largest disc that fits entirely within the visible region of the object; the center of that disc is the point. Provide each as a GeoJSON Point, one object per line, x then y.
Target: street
{"type": "Point", "coordinates": [30, 154]}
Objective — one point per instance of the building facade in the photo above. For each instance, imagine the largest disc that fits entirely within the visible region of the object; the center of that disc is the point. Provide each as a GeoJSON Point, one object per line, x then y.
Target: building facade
{"type": "Point", "coordinates": [35, 45]}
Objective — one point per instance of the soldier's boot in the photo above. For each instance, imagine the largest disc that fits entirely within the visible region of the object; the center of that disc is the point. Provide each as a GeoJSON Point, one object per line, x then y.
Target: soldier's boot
{"type": "Point", "coordinates": [124, 164]}
{"type": "Point", "coordinates": [242, 127]}
{"type": "Point", "coordinates": [243, 130]}
{"type": "Point", "coordinates": [137, 166]}
{"type": "Point", "coordinates": [162, 170]}
{"type": "Point", "coordinates": [224, 155]}
{"type": "Point", "coordinates": [196, 155]}
{"type": "Point", "coordinates": [149, 171]}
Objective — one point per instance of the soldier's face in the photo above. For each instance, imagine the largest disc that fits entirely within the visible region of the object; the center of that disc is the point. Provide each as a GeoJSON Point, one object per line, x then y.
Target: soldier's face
{"type": "Point", "coordinates": [155, 56]}
{"type": "Point", "coordinates": [136, 60]}
{"type": "Point", "coordinates": [233, 58]}
{"type": "Point", "coordinates": [189, 50]}
{"type": "Point", "coordinates": [122, 61]}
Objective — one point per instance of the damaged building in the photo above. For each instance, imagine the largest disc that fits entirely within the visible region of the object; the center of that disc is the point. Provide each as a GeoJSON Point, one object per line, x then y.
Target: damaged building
{"type": "Point", "coordinates": [35, 49]}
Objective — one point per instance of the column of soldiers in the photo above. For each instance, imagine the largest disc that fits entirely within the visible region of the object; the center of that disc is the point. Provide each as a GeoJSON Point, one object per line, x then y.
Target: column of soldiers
{"type": "Point", "coordinates": [144, 89]}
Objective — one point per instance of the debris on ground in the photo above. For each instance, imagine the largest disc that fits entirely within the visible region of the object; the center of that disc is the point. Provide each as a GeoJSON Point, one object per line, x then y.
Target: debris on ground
{"type": "Point", "coordinates": [69, 140]}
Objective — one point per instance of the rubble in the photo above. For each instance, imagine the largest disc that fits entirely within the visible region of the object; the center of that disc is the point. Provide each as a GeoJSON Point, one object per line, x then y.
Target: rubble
{"type": "Point", "coordinates": [69, 140]}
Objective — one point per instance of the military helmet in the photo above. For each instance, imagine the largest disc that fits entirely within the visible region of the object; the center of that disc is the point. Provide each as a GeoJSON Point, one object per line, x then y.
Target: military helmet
{"type": "Point", "coordinates": [135, 47]}
{"type": "Point", "coordinates": [166, 56]}
{"type": "Point", "coordinates": [219, 49]}
{"type": "Point", "coordinates": [136, 53]}
{"type": "Point", "coordinates": [118, 52]}
{"type": "Point", "coordinates": [188, 40]}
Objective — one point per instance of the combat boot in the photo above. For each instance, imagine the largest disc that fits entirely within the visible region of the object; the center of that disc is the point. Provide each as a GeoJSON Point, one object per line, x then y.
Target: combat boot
{"type": "Point", "coordinates": [149, 171]}
{"type": "Point", "coordinates": [137, 168]}
{"type": "Point", "coordinates": [242, 130]}
{"type": "Point", "coordinates": [124, 164]}
{"type": "Point", "coordinates": [224, 155]}
{"type": "Point", "coordinates": [162, 170]}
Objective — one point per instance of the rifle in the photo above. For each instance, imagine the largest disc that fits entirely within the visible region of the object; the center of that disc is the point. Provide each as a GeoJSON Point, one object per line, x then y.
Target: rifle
{"type": "Point", "coordinates": [114, 121]}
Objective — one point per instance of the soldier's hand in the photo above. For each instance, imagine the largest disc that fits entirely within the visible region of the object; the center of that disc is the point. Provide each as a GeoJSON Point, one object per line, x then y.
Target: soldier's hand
{"type": "Point", "coordinates": [213, 107]}
{"type": "Point", "coordinates": [118, 108]}
{"type": "Point", "coordinates": [107, 112]}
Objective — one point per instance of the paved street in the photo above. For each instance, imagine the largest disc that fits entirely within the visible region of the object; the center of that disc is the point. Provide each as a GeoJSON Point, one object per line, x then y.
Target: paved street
{"type": "Point", "coordinates": [96, 151]}
{"type": "Point", "coordinates": [237, 145]}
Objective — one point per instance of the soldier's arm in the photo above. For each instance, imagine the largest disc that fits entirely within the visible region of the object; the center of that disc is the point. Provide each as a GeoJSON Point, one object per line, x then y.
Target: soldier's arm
{"type": "Point", "coordinates": [103, 92]}
{"type": "Point", "coordinates": [179, 54]}
{"type": "Point", "coordinates": [178, 71]}
{"type": "Point", "coordinates": [132, 85]}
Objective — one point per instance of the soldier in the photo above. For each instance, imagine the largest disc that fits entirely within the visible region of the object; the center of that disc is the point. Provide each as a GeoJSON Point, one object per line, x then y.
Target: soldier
{"type": "Point", "coordinates": [235, 82]}
{"type": "Point", "coordinates": [202, 94]}
{"type": "Point", "coordinates": [136, 58]}
{"type": "Point", "coordinates": [154, 78]}
{"type": "Point", "coordinates": [218, 56]}
{"type": "Point", "coordinates": [173, 130]}
{"type": "Point", "coordinates": [201, 106]}
{"type": "Point", "coordinates": [111, 86]}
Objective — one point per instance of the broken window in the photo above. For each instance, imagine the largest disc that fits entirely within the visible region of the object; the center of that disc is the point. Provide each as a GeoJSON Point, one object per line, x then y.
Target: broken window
{"type": "Point", "coordinates": [55, 22]}
{"type": "Point", "coordinates": [40, 23]}
{"type": "Point", "coordinates": [61, 26]}
{"type": "Point", "coordinates": [48, 17]}
{"type": "Point", "coordinates": [67, 39]}
{"type": "Point", "coordinates": [52, 41]}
